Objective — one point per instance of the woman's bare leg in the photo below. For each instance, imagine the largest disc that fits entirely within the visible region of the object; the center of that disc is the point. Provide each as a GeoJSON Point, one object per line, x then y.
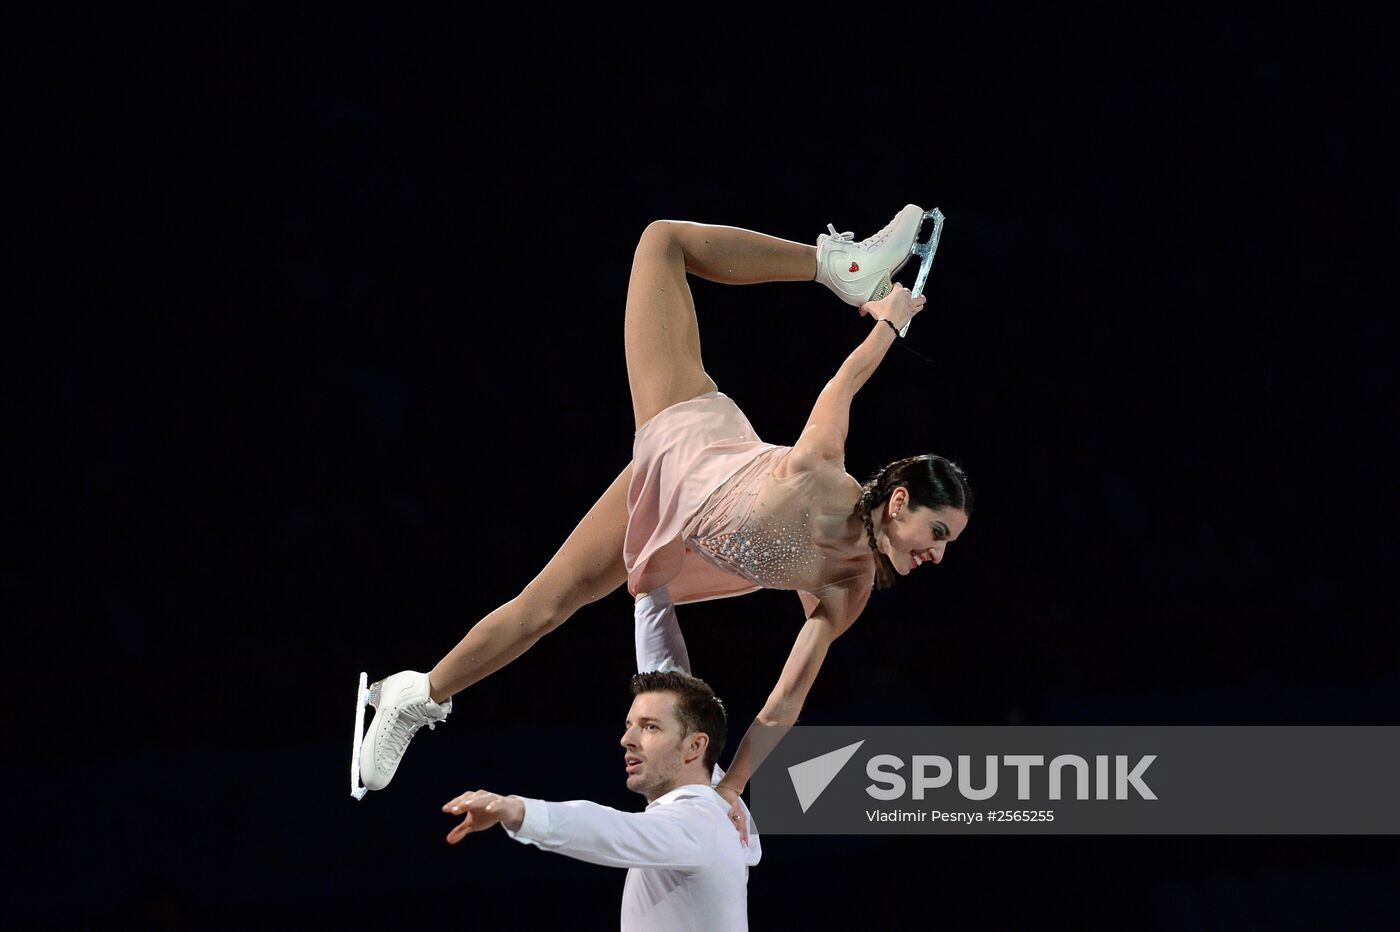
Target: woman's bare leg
{"type": "Point", "coordinates": [661, 333]}
{"type": "Point", "coordinates": [587, 567]}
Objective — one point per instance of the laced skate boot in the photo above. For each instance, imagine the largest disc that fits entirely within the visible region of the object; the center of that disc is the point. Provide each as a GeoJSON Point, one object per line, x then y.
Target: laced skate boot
{"type": "Point", "coordinates": [402, 705]}
{"type": "Point", "coordinates": [864, 271]}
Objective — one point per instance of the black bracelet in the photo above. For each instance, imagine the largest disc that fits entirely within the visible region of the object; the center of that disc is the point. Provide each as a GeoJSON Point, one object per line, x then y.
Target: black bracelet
{"type": "Point", "coordinates": [892, 327]}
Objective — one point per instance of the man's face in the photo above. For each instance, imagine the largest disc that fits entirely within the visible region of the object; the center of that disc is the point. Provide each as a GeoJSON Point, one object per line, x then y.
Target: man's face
{"type": "Point", "coordinates": [656, 751]}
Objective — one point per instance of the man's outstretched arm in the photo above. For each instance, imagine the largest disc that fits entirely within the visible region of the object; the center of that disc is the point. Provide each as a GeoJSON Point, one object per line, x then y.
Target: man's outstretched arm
{"type": "Point", "coordinates": [677, 836]}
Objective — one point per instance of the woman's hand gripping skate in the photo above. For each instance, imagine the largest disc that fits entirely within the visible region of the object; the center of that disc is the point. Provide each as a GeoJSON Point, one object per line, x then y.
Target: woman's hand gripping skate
{"type": "Point", "coordinates": [896, 307]}
{"type": "Point", "coordinates": [481, 810]}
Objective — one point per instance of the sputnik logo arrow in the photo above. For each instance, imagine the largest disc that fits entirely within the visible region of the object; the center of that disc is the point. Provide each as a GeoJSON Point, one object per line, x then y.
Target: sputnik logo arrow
{"type": "Point", "coordinates": [811, 777]}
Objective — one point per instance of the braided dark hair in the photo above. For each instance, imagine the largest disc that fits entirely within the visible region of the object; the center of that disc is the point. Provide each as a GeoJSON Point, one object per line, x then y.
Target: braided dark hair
{"type": "Point", "coordinates": [932, 482]}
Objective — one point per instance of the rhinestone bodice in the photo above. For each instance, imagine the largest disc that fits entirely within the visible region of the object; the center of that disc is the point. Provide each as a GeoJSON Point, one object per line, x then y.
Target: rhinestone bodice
{"type": "Point", "coordinates": [787, 532]}
{"type": "Point", "coordinates": [770, 551]}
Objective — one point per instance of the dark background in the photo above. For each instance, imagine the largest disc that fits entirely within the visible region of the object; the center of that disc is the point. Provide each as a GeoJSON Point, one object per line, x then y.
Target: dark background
{"type": "Point", "coordinates": [314, 357]}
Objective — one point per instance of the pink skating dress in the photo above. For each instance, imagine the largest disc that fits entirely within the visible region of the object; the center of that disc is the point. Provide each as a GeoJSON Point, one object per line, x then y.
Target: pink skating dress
{"type": "Point", "coordinates": [708, 518]}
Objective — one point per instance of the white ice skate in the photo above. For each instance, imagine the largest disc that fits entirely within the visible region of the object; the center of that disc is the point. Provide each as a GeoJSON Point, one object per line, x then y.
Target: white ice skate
{"type": "Point", "coordinates": [402, 705]}
{"type": "Point", "coordinates": [864, 271]}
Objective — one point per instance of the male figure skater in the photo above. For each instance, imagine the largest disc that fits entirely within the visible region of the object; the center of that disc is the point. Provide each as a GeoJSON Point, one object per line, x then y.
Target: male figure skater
{"type": "Point", "coordinates": [688, 867]}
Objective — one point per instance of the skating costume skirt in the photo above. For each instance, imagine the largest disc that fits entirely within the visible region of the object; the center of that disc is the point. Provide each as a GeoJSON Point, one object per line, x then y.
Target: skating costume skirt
{"type": "Point", "coordinates": [679, 458]}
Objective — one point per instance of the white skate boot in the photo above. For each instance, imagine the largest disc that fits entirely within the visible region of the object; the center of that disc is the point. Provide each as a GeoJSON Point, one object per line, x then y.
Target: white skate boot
{"type": "Point", "coordinates": [864, 271]}
{"type": "Point", "coordinates": [402, 705]}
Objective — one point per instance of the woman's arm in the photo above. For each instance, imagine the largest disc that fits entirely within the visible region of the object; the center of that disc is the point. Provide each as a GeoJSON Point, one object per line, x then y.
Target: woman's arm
{"type": "Point", "coordinates": [836, 611]}
{"type": "Point", "coordinates": [824, 436]}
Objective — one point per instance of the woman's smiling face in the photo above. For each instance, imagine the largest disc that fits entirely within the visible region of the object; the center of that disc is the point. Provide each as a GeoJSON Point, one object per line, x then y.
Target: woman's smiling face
{"type": "Point", "coordinates": [914, 535]}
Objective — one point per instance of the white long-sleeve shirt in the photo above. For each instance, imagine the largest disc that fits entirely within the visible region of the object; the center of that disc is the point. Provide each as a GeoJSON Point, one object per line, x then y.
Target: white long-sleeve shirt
{"type": "Point", "coordinates": [687, 867]}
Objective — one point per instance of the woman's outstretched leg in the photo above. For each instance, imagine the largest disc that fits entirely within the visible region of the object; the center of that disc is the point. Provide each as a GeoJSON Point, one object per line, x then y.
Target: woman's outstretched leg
{"type": "Point", "coordinates": [661, 333]}
{"type": "Point", "coordinates": [587, 567]}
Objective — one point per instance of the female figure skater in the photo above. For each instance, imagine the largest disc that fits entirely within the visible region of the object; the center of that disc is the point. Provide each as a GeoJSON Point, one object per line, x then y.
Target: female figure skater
{"type": "Point", "coordinates": [705, 509]}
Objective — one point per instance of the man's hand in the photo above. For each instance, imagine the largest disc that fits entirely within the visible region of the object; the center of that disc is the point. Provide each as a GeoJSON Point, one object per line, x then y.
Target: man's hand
{"type": "Point", "coordinates": [736, 811]}
{"type": "Point", "coordinates": [483, 809]}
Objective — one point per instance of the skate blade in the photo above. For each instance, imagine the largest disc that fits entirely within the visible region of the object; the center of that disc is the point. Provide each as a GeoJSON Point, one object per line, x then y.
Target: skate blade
{"type": "Point", "coordinates": [926, 249]}
{"type": "Point", "coordinates": [357, 789]}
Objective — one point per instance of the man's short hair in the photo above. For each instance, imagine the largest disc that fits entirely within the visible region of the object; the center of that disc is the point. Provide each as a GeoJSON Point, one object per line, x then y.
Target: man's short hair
{"type": "Point", "coordinates": [697, 706]}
